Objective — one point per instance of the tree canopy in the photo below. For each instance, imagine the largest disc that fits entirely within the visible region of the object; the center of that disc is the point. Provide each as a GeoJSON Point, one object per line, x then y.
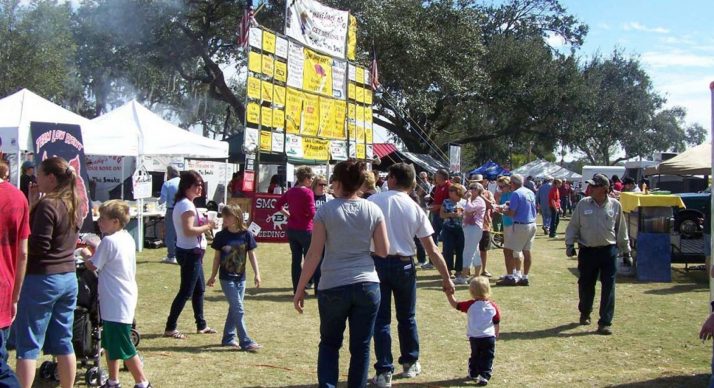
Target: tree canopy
{"type": "Point", "coordinates": [451, 70]}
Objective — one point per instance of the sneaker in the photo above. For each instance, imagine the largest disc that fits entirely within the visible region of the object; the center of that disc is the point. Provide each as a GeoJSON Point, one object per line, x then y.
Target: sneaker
{"type": "Point", "coordinates": [169, 260]}
{"type": "Point", "coordinates": [584, 319]}
{"type": "Point", "coordinates": [427, 266]}
{"type": "Point", "coordinates": [523, 282]}
{"type": "Point", "coordinates": [110, 385]}
{"type": "Point", "coordinates": [486, 274]}
{"type": "Point", "coordinates": [383, 379]}
{"type": "Point", "coordinates": [147, 386]}
{"type": "Point", "coordinates": [411, 370]}
{"type": "Point", "coordinates": [481, 381]}
{"type": "Point", "coordinates": [604, 330]}
{"type": "Point", "coordinates": [460, 280]}
{"type": "Point", "coordinates": [507, 281]}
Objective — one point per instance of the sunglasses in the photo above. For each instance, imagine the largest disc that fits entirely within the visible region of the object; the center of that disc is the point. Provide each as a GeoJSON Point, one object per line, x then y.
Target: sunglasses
{"type": "Point", "coordinates": [322, 184]}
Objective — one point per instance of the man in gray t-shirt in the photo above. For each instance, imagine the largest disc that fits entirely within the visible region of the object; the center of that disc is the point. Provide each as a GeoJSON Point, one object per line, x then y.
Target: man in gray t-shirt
{"type": "Point", "coordinates": [349, 225]}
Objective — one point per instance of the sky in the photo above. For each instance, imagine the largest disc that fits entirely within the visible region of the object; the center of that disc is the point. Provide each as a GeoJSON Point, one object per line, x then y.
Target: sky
{"type": "Point", "coordinates": [674, 40]}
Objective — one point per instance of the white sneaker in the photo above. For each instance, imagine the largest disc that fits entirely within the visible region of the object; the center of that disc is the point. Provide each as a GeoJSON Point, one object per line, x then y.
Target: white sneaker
{"type": "Point", "coordinates": [383, 380]}
{"type": "Point", "coordinates": [169, 260]}
{"type": "Point", "coordinates": [427, 266]}
{"type": "Point", "coordinates": [411, 370]}
{"type": "Point", "coordinates": [460, 280]}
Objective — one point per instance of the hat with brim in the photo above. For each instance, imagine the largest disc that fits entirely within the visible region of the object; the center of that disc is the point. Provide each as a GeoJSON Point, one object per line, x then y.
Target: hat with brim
{"type": "Point", "coordinates": [598, 180]}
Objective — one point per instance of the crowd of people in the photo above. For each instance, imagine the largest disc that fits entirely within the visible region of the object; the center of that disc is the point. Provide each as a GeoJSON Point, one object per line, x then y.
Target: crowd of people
{"type": "Point", "coordinates": [356, 238]}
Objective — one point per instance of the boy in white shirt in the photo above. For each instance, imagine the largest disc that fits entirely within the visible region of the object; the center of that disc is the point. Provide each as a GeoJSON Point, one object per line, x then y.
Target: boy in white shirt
{"type": "Point", "coordinates": [115, 260]}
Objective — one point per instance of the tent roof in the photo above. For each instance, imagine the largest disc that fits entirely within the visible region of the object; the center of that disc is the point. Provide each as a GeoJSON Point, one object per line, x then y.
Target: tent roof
{"type": "Point", "coordinates": [694, 161]}
{"type": "Point", "coordinates": [383, 149]}
{"type": "Point", "coordinates": [135, 130]}
{"type": "Point", "coordinates": [490, 170]}
{"type": "Point", "coordinates": [541, 168]}
{"type": "Point", "coordinates": [19, 109]}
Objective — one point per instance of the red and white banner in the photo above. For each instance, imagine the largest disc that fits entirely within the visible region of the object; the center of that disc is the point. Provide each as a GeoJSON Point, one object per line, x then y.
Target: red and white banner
{"type": "Point", "coordinates": [272, 222]}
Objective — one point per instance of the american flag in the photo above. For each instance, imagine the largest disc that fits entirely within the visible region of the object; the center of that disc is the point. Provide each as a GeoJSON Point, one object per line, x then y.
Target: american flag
{"type": "Point", "coordinates": [245, 23]}
{"type": "Point", "coordinates": [374, 71]}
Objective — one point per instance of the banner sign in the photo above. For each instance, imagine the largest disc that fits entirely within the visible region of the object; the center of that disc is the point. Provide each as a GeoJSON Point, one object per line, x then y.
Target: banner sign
{"type": "Point", "coordinates": [316, 149]}
{"type": "Point", "coordinates": [271, 220]}
{"type": "Point", "coordinates": [296, 62]}
{"type": "Point", "coordinates": [338, 150]}
{"type": "Point", "coordinates": [454, 158]}
{"type": "Point", "coordinates": [293, 146]}
{"type": "Point", "coordinates": [105, 173]}
{"type": "Point", "coordinates": [65, 141]}
{"type": "Point", "coordinates": [317, 73]}
{"type": "Point", "coordinates": [317, 26]}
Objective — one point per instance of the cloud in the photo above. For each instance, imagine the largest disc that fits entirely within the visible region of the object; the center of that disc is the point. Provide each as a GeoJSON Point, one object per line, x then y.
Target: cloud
{"type": "Point", "coordinates": [676, 58]}
{"type": "Point", "coordinates": [637, 26]}
{"type": "Point", "coordinates": [554, 40]}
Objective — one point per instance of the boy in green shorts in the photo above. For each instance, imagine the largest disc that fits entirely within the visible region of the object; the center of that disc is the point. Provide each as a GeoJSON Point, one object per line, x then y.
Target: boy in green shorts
{"type": "Point", "coordinates": [115, 259]}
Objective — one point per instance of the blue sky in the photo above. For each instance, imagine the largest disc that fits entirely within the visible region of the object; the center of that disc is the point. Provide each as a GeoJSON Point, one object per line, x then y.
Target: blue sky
{"type": "Point", "coordinates": [674, 41]}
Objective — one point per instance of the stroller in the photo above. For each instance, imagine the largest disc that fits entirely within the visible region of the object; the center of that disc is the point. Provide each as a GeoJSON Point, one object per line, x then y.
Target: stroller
{"type": "Point", "coordinates": [87, 330]}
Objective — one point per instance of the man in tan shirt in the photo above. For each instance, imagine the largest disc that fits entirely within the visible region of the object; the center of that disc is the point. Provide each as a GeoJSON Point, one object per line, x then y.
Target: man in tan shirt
{"type": "Point", "coordinates": [599, 228]}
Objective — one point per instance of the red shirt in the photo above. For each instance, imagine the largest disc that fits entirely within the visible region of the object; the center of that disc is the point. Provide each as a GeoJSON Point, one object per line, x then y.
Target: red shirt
{"type": "Point", "coordinates": [14, 227]}
{"type": "Point", "coordinates": [301, 205]}
{"type": "Point", "coordinates": [441, 192]}
{"type": "Point", "coordinates": [554, 197]}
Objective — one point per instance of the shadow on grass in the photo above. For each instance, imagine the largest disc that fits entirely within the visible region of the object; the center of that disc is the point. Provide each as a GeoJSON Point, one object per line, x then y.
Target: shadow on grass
{"type": "Point", "coordinates": [558, 331]}
{"type": "Point", "coordinates": [679, 288]}
{"type": "Point", "coordinates": [462, 382]}
{"type": "Point", "coordinates": [700, 380]}
{"type": "Point", "coordinates": [267, 294]}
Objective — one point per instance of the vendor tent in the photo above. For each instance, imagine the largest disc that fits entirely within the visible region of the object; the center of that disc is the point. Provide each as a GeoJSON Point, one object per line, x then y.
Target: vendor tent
{"type": "Point", "coordinates": [540, 168]}
{"type": "Point", "coordinates": [138, 131]}
{"type": "Point", "coordinates": [490, 170]}
{"type": "Point", "coordinates": [694, 161]}
{"type": "Point", "coordinates": [389, 155]}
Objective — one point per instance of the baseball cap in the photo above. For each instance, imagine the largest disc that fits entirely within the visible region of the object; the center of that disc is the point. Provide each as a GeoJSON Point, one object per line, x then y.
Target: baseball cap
{"type": "Point", "coordinates": [27, 164]}
{"type": "Point", "coordinates": [599, 180]}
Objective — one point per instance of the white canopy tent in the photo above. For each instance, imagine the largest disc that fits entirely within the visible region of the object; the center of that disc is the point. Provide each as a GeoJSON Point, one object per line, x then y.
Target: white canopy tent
{"type": "Point", "coordinates": [694, 161]}
{"type": "Point", "coordinates": [541, 168]}
{"type": "Point", "coordinates": [137, 131]}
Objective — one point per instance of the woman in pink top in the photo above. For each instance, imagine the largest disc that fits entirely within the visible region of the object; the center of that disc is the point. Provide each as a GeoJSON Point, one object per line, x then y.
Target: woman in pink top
{"type": "Point", "coordinates": [474, 212]}
{"type": "Point", "coordinates": [300, 211]}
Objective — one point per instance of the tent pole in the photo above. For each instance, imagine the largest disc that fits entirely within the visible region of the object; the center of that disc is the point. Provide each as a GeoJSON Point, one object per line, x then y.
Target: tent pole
{"type": "Point", "coordinates": [123, 160]}
{"type": "Point", "coordinates": [18, 172]}
{"type": "Point", "coordinates": [225, 182]}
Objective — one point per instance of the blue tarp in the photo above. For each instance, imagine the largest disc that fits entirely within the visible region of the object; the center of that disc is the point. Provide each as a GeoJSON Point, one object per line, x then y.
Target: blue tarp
{"type": "Point", "coordinates": [490, 170]}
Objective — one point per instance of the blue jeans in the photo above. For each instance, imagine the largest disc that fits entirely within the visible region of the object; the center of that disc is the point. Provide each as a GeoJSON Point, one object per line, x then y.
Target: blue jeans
{"type": "Point", "coordinates": [453, 245]}
{"type": "Point", "coordinates": [357, 303]}
{"type": "Point", "coordinates": [483, 351]}
{"type": "Point", "coordinates": [299, 241]}
{"type": "Point", "coordinates": [192, 287]}
{"type": "Point", "coordinates": [554, 221]}
{"type": "Point", "coordinates": [545, 213]}
{"type": "Point", "coordinates": [594, 262]}
{"type": "Point", "coordinates": [436, 223]}
{"type": "Point", "coordinates": [169, 233]}
{"type": "Point", "coordinates": [234, 290]}
{"type": "Point", "coordinates": [397, 276]}
{"type": "Point", "coordinates": [7, 376]}
{"type": "Point", "coordinates": [45, 315]}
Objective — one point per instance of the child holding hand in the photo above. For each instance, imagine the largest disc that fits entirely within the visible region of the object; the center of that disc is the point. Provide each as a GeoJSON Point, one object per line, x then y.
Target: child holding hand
{"type": "Point", "coordinates": [482, 328]}
{"type": "Point", "coordinates": [232, 245]}
{"type": "Point", "coordinates": [115, 260]}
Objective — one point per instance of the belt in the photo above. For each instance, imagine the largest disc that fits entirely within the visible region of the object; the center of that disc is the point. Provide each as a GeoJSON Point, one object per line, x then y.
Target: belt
{"type": "Point", "coordinates": [523, 223]}
{"type": "Point", "coordinates": [394, 257]}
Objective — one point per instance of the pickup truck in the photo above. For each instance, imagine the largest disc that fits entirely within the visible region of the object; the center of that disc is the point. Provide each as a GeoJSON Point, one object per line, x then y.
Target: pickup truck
{"type": "Point", "coordinates": [689, 227]}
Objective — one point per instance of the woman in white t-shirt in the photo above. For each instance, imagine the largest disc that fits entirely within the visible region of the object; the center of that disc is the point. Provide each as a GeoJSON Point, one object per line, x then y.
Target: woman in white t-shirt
{"type": "Point", "coordinates": [190, 247]}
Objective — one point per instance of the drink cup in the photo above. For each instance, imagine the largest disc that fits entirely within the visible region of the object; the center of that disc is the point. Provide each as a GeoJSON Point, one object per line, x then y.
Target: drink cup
{"type": "Point", "coordinates": [212, 215]}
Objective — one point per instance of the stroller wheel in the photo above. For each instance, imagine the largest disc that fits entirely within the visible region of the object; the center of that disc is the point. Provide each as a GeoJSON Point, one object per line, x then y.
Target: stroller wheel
{"type": "Point", "coordinates": [47, 370]}
{"type": "Point", "coordinates": [95, 376]}
{"type": "Point", "coordinates": [135, 337]}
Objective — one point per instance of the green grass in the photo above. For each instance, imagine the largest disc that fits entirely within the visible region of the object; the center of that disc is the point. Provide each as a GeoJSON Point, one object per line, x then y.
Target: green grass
{"type": "Point", "coordinates": [654, 343]}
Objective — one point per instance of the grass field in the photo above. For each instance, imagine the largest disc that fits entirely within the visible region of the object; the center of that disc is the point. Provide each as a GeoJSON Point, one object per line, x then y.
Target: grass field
{"type": "Point", "coordinates": [654, 343]}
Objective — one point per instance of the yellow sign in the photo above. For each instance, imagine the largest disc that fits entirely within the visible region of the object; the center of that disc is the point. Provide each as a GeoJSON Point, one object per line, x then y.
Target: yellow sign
{"type": "Point", "coordinates": [254, 63]}
{"type": "Point", "coordinates": [351, 91]}
{"type": "Point", "coordinates": [293, 111]}
{"type": "Point", "coordinates": [315, 149]}
{"type": "Point", "coordinates": [266, 116]}
{"type": "Point", "coordinates": [352, 130]}
{"type": "Point", "coordinates": [266, 141]}
{"type": "Point", "coordinates": [267, 67]}
{"type": "Point", "coordinates": [352, 39]}
{"type": "Point", "coordinates": [360, 113]}
{"type": "Point", "coordinates": [359, 94]}
{"type": "Point", "coordinates": [269, 42]}
{"type": "Point", "coordinates": [327, 118]}
{"type": "Point", "coordinates": [278, 118]}
{"type": "Point", "coordinates": [310, 115]}
{"type": "Point", "coordinates": [368, 135]}
{"type": "Point", "coordinates": [359, 133]}
{"type": "Point", "coordinates": [278, 95]}
{"type": "Point", "coordinates": [267, 91]}
{"type": "Point", "coordinates": [253, 88]}
{"type": "Point", "coordinates": [368, 96]}
{"type": "Point", "coordinates": [359, 75]}
{"type": "Point", "coordinates": [253, 113]}
{"type": "Point", "coordinates": [352, 112]}
{"type": "Point", "coordinates": [317, 73]}
{"type": "Point", "coordinates": [368, 116]}
{"type": "Point", "coordinates": [281, 71]}
{"type": "Point", "coordinates": [361, 150]}
{"type": "Point", "coordinates": [340, 113]}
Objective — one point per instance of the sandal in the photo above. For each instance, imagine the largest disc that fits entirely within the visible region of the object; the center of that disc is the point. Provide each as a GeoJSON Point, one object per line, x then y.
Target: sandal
{"type": "Point", "coordinates": [206, 330]}
{"type": "Point", "coordinates": [233, 345]}
{"type": "Point", "coordinates": [175, 334]}
{"type": "Point", "coordinates": [253, 347]}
